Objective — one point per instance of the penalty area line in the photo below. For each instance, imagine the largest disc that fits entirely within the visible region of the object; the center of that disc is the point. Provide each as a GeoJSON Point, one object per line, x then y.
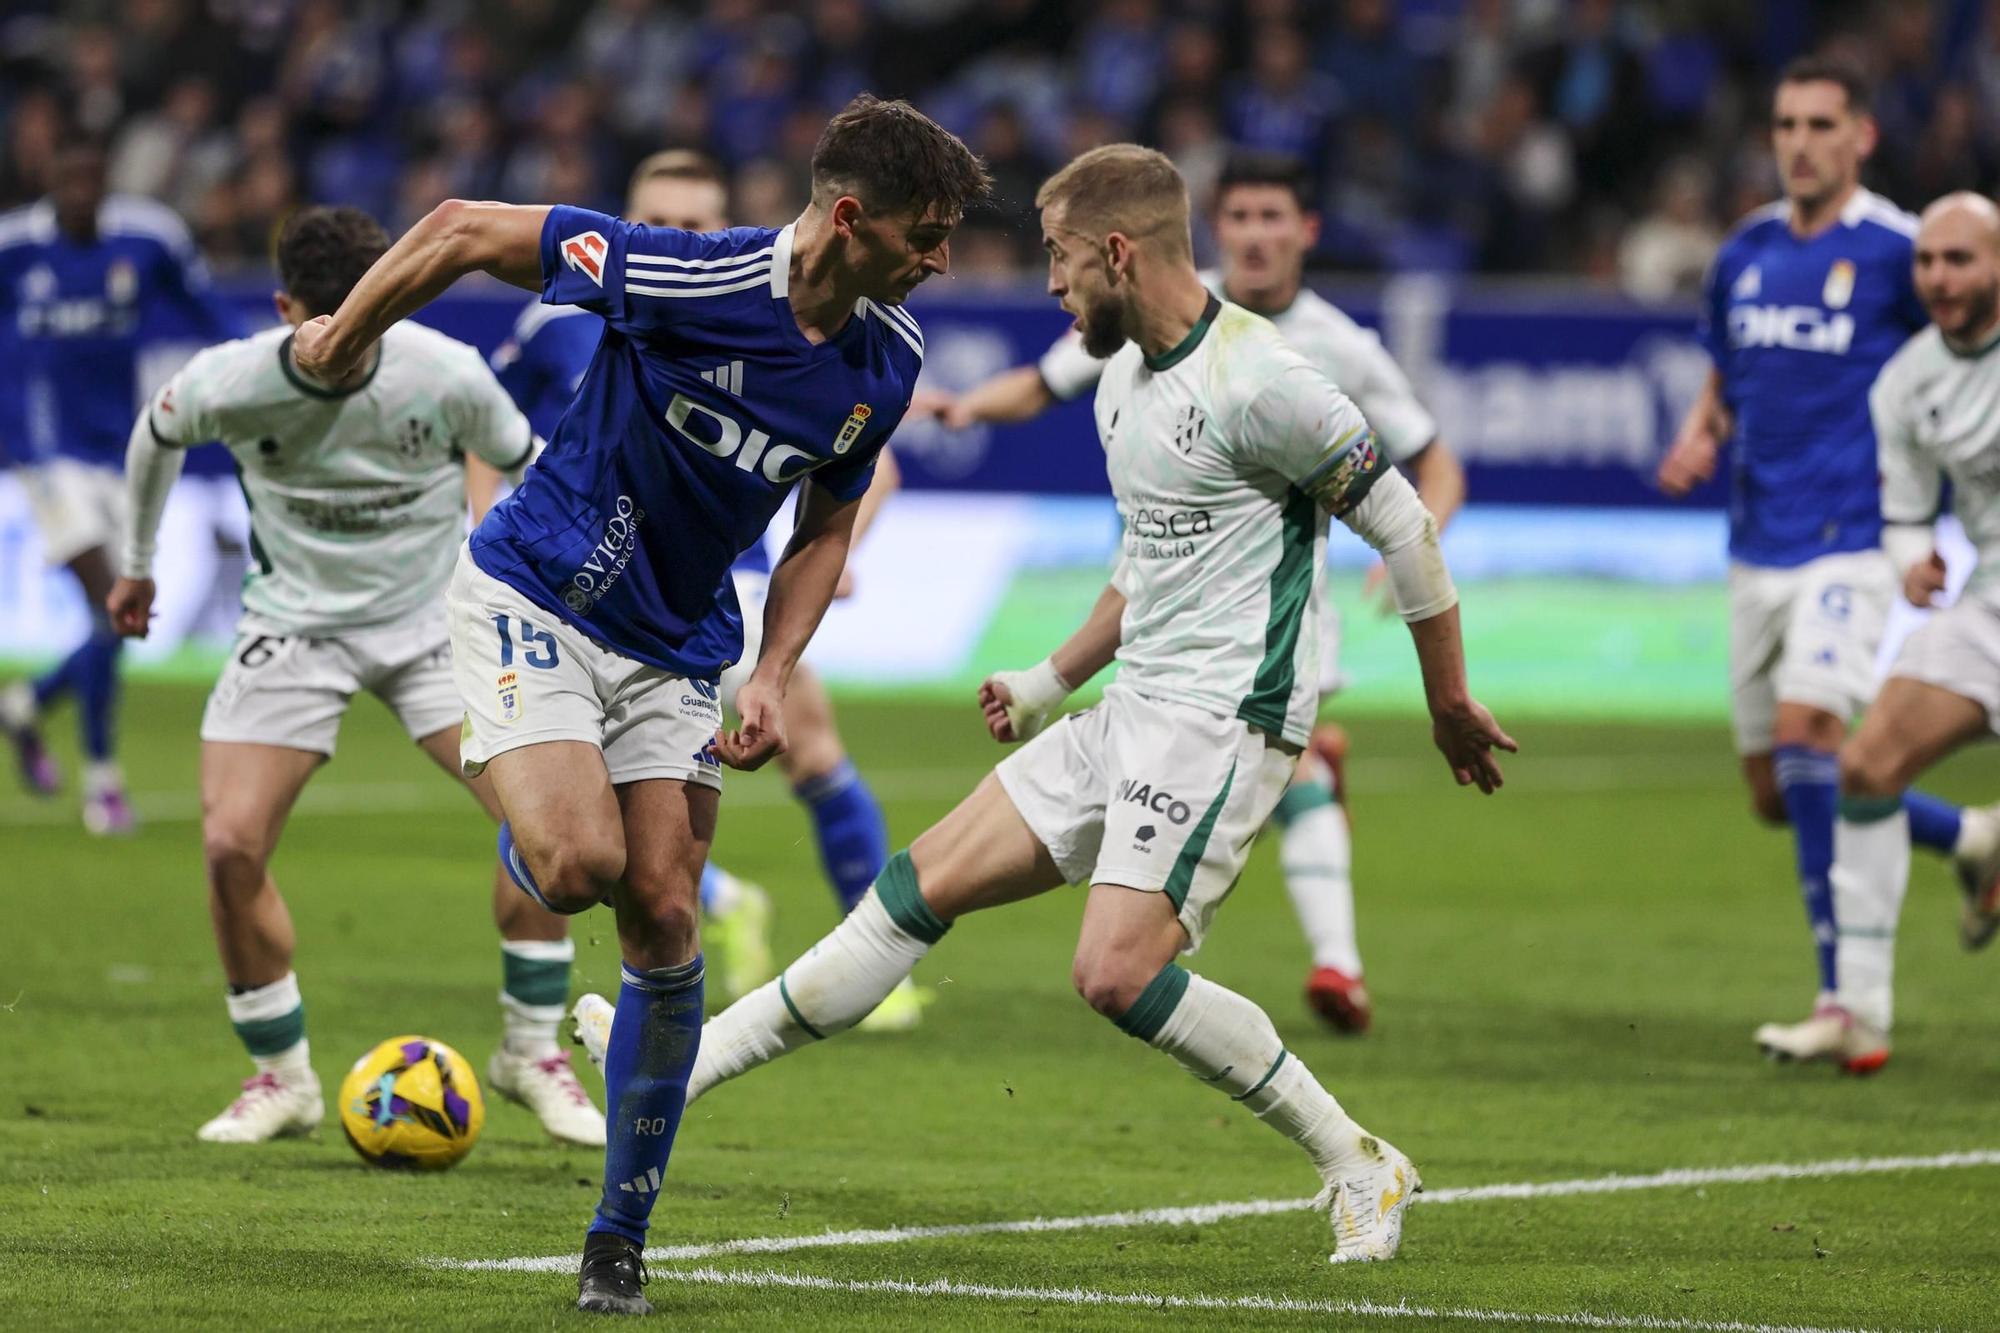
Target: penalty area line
{"type": "Point", "coordinates": [1202, 1214]}
{"type": "Point", "coordinates": [768, 1279]}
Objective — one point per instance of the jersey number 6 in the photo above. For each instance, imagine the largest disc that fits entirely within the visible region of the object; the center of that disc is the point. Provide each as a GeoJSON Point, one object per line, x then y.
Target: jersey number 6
{"type": "Point", "coordinates": [538, 646]}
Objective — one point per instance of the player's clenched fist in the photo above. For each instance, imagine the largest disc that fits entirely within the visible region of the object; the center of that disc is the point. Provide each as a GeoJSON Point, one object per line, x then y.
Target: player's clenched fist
{"type": "Point", "coordinates": [760, 731]}
{"type": "Point", "coordinates": [1017, 704]}
{"type": "Point", "coordinates": [316, 351]}
{"type": "Point", "coordinates": [1923, 581]}
{"type": "Point", "coordinates": [131, 607]}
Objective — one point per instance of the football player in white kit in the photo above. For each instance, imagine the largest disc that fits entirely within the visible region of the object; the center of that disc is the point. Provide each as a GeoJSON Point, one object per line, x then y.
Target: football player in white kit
{"type": "Point", "coordinates": [358, 494]}
{"type": "Point", "coordinates": [1936, 408]}
{"type": "Point", "coordinates": [1265, 225]}
{"type": "Point", "coordinates": [1226, 450]}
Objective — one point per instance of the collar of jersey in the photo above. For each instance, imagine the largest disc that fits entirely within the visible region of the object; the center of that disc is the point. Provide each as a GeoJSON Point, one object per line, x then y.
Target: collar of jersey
{"type": "Point", "coordinates": [1976, 352]}
{"type": "Point", "coordinates": [311, 390]}
{"type": "Point", "coordinates": [1178, 353]}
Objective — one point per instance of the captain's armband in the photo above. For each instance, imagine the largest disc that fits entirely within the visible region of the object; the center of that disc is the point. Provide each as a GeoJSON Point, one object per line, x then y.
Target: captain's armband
{"type": "Point", "coordinates": [1347, 472]}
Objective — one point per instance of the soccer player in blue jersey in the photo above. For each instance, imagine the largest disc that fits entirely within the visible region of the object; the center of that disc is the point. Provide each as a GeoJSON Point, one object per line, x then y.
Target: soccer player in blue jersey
{"type": "Point", "coordinates": [591, 613]}
{"type": "Point", "coordinates": [1807, 299]}
{"type": "Point", "coordinates": [84, 279]}
{"type": "Point", "coordinates": [541, 365]}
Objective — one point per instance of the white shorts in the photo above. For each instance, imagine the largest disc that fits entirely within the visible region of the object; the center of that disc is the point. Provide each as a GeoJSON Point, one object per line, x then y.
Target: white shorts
{"type": "Point", "coordinates": [1806, 635]}
{"type": "Point", "coordinates": [750, 590]}
{"type": "Point", "coordinates": [526, 676]}
{"type": "Point", "coordinates": [291, 690]}
{"type": "Point", "coordinates": [77, 506]}
{"type": "Point", "coordinates": [1152, 795]}
{"type": "Point", "coordinates": [1958, 649]}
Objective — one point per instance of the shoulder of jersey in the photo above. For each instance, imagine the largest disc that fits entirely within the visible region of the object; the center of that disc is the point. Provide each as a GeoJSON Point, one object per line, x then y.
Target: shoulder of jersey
{"type": "Point", "coordinates": [1756, 224]}
{"type": "Point", "coordinates": [1870, 209]}
{"type": "Point", "coordinates": [136, 215]}
{"type": "Point", "coordinates": [239, 369]}
{"type": "Point", "coordinates": [1249, 354]}
{"type": "Point", "coordinates": [697, 265]}
{"type": "Point", "coordinates": [1926, 345]}
{"type": "Point", "coordinates": [898, 327]}
{"type": "Point", "coordinates": [30, 224]}
{"type": "Point", "coordinates": [409, 338]}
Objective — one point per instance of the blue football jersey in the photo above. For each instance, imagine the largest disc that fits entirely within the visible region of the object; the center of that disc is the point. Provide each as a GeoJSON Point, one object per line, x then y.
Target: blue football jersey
{"type": "Point", "coordinates": [1799, 329]}
{"type": "Point", "coordinates": [702, 407]}
{"type": "Point", "coordinates": [77, 316]}
{"type": "Point", "coordinates": [541, 366]}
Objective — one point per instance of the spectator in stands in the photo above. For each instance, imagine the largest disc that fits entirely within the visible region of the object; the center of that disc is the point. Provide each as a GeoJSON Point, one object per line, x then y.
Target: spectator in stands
{"type": "Point", "coordinates": [1283, 105]}
{"type": "Point", "coordinates": [1666, 253]}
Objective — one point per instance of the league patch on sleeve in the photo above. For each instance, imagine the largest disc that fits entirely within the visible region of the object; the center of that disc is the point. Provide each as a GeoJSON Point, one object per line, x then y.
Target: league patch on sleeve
{"type": "Point", "coordinates": [1344, 480]}
{"type": "Point", "coordinates": [585, 253]}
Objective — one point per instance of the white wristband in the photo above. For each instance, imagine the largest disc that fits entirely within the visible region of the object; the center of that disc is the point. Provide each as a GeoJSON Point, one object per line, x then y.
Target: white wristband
{"type": "Point", "coordinates": [1034, 694]}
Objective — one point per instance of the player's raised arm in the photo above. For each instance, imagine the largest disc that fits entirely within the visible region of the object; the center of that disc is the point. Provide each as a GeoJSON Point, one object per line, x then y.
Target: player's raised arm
{"type": "Point", "coordinates": [1065, 372]}
{"type": "Point", "coordinates": [1319, 440]}
{"type": "Point", "coordinates": [452, 240]}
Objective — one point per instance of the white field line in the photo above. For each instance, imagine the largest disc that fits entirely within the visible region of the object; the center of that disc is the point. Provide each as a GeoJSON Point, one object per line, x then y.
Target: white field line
{"type": "Point", "coordinates": [1561, 776]}
{"type": "Point", "coordinates": [766, 1278]}
{"type": "Point", "coordinates": [1217, 1212]}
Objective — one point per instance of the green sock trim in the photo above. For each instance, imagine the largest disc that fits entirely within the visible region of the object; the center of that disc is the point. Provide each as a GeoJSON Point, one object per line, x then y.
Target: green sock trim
{"type": "Point", "coordinates": [536, 981]}
{"type": "Point", "coordinates": [793, 1010]}
{"type": "Point", "coordinates": [270, 1036]}
{"type": "Point", "coordinates": [1155, 1004]}
{"type": "Point", "coordinates": [1869, 809]}
{"type": "Point", "coordinates": [896, 886]}
{"type": "Point", "coordinates": [1300, 800]}
{"type": "Point", "coordinates": [1867, 932]}
{"type": "Point", "coordinates": [1268, 1075]}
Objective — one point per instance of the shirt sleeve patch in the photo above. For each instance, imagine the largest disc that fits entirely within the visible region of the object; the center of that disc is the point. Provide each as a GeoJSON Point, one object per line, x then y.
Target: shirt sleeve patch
{"type": "Point", "coordinates": [1347, 474]}
{"type": "Point", "coordinates": [585, 253]}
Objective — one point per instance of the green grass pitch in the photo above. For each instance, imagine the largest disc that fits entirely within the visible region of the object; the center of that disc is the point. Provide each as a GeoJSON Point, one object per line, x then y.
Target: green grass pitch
{"type": "Point", "coordinates": [1566, 978]}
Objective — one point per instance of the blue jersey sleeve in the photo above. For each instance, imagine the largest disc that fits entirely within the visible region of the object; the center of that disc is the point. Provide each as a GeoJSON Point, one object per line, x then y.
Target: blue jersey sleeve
{"type": "Point", "coordinates": [642, 279]}
{"type": "Point", "coordinates": [1712, 326]}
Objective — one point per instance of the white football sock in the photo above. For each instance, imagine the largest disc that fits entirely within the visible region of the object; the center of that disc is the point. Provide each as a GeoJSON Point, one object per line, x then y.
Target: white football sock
{"type": "Point", "coordinates": [259, 1015]}
{"type": "Point", "coordinates": [836, 984]}
{"type": "Point", "coordinates": [537, 969]}
{"type": "Point", "coordinates": [1978, 830]}
{"type": "Point", "coordinates": [1317, 856]}
{"type": "Point", "coordinates": [1229, 1043]}
{"type": "Point", "coordinates": [1871, 873]}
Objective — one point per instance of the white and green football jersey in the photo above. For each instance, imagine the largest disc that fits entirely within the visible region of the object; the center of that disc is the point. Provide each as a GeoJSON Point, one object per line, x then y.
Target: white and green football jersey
{"type": "Point", "coordinates": [1349, 355]}
{"type": "Point", "coordinates": [1226, 455]}
{"type": "Point", "coordinates": [357, 497]}
{"type": "Point", "coordinates": [1937, 414]}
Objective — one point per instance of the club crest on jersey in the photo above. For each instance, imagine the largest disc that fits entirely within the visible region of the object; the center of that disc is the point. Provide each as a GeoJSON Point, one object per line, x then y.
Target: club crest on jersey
{"type": "Point", "coordinates": [857, 421]}
{"type": "Point", "coordinates": [412, 436]}
{"type": "Point", "coordinates": [1839, 289]}
{"type": "Point", "coordinates": [585, 252]}
{"type": "Point", "coordinates": [121, 282]}
{"type": "Point", "coordinates": [507, 688]}
{"type": "Point", "coordinates": [1188, 425]}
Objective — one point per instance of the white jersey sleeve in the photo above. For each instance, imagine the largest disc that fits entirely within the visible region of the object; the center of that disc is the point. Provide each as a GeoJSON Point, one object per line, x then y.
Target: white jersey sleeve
{"type": "Point", "coordinates": [484, 419]}
{"type": "Point", "coordinates": [183, 413]}
{"type": "Point", "coordinates": [1068, 370]}
{"type": "Point", "coordinates": [1912, 485]}
{"type": "Point", "coordinates": [1310, 433]}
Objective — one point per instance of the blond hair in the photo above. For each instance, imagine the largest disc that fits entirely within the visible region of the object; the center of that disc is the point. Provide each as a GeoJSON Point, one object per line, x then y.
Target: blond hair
{"type": "Point", "coordinates": [680, 164]}
{"type": "Point", "coordinates": [1122, 187]}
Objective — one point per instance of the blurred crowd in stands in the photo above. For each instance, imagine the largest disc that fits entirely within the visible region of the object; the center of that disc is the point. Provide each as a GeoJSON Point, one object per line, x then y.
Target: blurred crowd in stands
{"type": "Point", "coordinates": [1586, 137]}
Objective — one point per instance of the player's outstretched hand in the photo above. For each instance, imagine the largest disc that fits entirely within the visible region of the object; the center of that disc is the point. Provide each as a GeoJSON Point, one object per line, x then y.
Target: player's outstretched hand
{"type": "Point", "coordinates": [314, 352]}
{"type": "Point", "coordinates": [1924, 581]}
{"type": "Point", "coordinates": [943, 406]}
{"type": "Point", "coordinates": [760, 730]}
{"type": "Point", "coordinates": [995, 702]}
{"type": "Point", "coordinates": [1690, 462]}
{"type": "Point", "coordinates": [1467, 736]}
{"type": "Point", "coordinates": [131, 607]}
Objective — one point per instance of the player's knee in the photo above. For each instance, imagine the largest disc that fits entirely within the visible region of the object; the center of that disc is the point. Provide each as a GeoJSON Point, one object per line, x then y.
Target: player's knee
{"type": "Point", "coordinates": [575, 878]}
{"type": "Point", "coordinates": [1108, 984]}
{"type": "Point", "coordinates": [1870, 770]}
{"type": "Point", "coordinates": [234, 858]}
{"type": "Point", "coordinates": [672, 922]}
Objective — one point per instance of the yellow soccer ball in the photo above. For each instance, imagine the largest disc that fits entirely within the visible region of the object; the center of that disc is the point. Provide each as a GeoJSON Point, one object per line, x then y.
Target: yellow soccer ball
{"type": "Point", "coordinates": [413, 1103]}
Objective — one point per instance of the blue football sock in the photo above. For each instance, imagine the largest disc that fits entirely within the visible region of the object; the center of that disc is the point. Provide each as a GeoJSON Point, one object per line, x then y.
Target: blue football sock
{"type": "Point", "coordinates": [1933, 822]}
{"type": "Point", "coordinates": [1810, 781]}
{"type": "Point", "coordinates": [60, 679]}
{"type": "Point", "coordinates": [654, 1037]}
{"type": "Point", "coordinates": [97, 691]}
{"type": "Point", "coordinates": [853, 836]}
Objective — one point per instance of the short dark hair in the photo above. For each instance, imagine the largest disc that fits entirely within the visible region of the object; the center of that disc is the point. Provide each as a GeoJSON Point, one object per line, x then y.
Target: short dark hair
{"type": "Point", "coordinates": [677, 164]}
{"type": "Point", "coordinates": [1248, 166]}
{"type": "Point", "coordinates": [322, 253]}
{"type": "Point", "coordinates": [895, 158]}
{"type": "Point", "coordinates": [1827, 69]}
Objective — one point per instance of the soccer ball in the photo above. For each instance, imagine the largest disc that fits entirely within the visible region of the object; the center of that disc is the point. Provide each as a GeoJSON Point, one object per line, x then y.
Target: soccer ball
{"type": "Point", "coordinates": [412, 1102]}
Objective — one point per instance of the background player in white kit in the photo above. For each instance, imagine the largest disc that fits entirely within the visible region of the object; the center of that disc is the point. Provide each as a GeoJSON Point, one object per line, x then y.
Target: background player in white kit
{"type": "Point", "coordinates": [1265, 224]}
{"type": "Point", "coordinates": [357, 493]}
{"type": "Point", "coordinates": [1226, 451]}
{"type": "Point", "coordinates": [1937, 413]}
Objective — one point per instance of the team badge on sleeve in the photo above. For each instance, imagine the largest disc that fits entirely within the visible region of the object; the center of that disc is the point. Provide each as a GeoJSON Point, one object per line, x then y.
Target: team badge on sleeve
{"type": "Point", "coordinates": [1344, 479]}
{"type": "Point", "coordinates": [585, 253]}
{"type": "Point", "coordinates": [857, 421]}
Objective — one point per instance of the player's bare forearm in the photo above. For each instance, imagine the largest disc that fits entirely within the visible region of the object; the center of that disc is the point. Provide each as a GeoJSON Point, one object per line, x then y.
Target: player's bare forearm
{"type": "Point", "coordinates": [1441, 658]}
{"type": "Point", "coordinates": [482, 487]}
{"type": "Point", "coordinates": [452, 240]}
{"type": "Point", "coordinates": [1465, 733]}
{"type": "Point", "coordinates": [887, 481]}
{"type": "Point", "coordinates": [1691, 459]}
{"type": "Point", "coordinates": [802, 583]}
{"type": "Point", "coordinates": [1095, 643]}
{"type": "Point", "coordinates": [1013, 395]}
{"type": "Point", "coordinates": [1440, 479]}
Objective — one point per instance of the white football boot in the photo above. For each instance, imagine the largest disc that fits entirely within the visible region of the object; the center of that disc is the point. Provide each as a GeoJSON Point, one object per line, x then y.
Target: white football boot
{"type": "Point", "coordinates": [1366, 1205]}
{"type": "Point", "coordinates": [1830, 1034]}
{"type": "Point", "coordinates": [270, 1107]}
{"type": "Point", "coordinates": [549, 1088]}
{"type": "Point", "coordinates": [590, 1018]}
{"type": "Point", "coordinates": [1978, 867]}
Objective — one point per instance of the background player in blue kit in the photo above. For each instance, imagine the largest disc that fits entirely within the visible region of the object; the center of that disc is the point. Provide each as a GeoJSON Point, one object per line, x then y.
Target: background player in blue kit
{"type": "Point", "coordinates": [1806, 300]}
{"type": "Point", "coordinates": [87, 280]}
{"type": "Point", "coordinates": [591, 615]}
{"type": "Point", "coordinates": [541, 365]}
